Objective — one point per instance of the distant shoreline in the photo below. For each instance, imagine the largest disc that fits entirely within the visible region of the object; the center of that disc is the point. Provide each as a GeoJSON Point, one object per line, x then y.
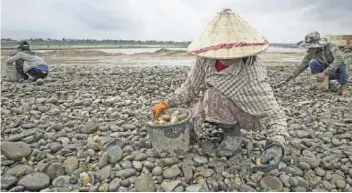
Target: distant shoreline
{"type": "Point", "coordinates": [80, 47]}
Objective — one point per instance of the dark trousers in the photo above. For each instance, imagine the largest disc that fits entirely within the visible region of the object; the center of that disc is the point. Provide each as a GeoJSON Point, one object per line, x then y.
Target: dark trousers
{"type": "Point", "coordinates": [40, 71]}
{"type": "Point", "coordinates": [340, 74]}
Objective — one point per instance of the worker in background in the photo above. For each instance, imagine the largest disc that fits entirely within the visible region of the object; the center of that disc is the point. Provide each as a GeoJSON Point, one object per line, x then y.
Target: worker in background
{"type": "Point", "coordinates": [324, 59]}
{"type": "Point", "coordinates": [28, 63]}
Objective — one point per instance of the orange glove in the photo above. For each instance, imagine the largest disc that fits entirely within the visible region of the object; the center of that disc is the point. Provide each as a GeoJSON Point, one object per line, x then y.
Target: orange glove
{"type": "Point", "coordinates": [158, 108]}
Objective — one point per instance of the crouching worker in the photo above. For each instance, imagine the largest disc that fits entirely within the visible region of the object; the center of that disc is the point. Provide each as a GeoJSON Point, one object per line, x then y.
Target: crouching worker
{"type": "Point", "coordinates": [237, 95]}
{"type": "Point", "coordinates": [325, 60]}
{"type": "Point", "coordinates": [28, 63]}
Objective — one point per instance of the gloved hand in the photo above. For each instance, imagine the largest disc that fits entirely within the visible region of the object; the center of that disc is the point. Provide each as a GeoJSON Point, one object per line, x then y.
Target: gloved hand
{"type": "Point", "coordinates": [270, 160]}
{"type": "Point", "coordinates": [158, 108]}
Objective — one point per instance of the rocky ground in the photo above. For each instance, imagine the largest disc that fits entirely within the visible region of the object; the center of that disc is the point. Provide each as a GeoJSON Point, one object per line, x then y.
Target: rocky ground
{"type": "Point", "coordinates": [54, 136]}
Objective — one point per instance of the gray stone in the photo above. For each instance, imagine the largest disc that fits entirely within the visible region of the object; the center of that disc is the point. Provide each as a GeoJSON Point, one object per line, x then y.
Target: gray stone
{"type": "Point", "coordinates": [328, 186]}
{"type": "Point", "coordinates": [200, 160]}
{"type": "Point", "coordinates": [115, 154]}
{"type": "Point", "coordinates": [126, 173]}
{"type": "Point", "coordinates": [141, 157]}
{"type": "Point", "coordinates": [15, 150]}
{"type": "Point", "coordinates": [126, 164]}
{"type": "Point", "coordinates": [171, 173]}
{"type": "Point", "coordinates": [55, 147]}
{"type": "Point", "coordinates": [54, 111]}
{"type": "Point", "coordinates": [285, 179]}
{"type": "Point", "coordinates": [170, 186]}
{"type": "Point", "coordinates": [17, 169]}
{"type": "Point", "coordinates": [320, 172]}
{"type": "Point", "coordinates": [294, 171]}
{"type": "Point", "coordinates": [137, 165]}
{"type": "Point", "coordinates": [55, 170]}
{"type": "Point", "coordinates": [195, 188]}
{"type": "Point", "coordinates": [104, 173]}
{"type": "Point", "coordinates": [35, 181]}
{"type": "Point", "coordinates": [64, 181]}
{"type": "Point", "coordinates": [340, 184]}
{"type": "Point", "coordinates": [57, 127]}
{"type": "Point", "coordinates": [17, 189]}
{"type": "Point", "coordinates": [312, 161]}
{"type": "Point", "coordinates": [114, 185]}
{"type": "Point", "coordinates": [7, 181]}
{"type": "Point", "coordinates": [89, 127]}
{"type": "Point", "coordinates": [144, 183]}
{"type": "Point", "coordinates": [271, 183]}
{"type": "Point", "coordinates": [187, 173]}
{"type": "Point", "coordinates": [70, 164]}
{"type": "Point", "coordinates": [157, 171]}
{"type": "Point", "coordinates": [104, 160]}
{"type": "Point", "coordinates": [304, 166]}
{"type": "Point", "coordinates": [169, 161]}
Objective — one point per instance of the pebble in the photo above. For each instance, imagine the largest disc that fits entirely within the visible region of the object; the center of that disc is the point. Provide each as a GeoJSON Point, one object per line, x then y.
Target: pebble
{"type": "Point", "coordinates": [304, 166]}
{"type": "Point", "coordinates": [126, 173]}
{"type": "Point", "coordinates": [15, 150]}
{"type": "Point", "coordinates": [170, 186]}
{"type": "Point", "coordinates": [187, 173]}
{"type": "Point", "coordinates": [17, 169]}
{"type": "Point", "coordinates": [195, 188]}
{"type": "Point", "coordinates": [55, 170]}
{"type": "Point", "coordinates": [157, 171]}
{"type": "Point", "coordinates": [200, 160]}
{"type": "Point", "coordinates": [104, 173]}
{"type": "Point", "coordinates": [144, 183]}
{"type": "Point", "coordinates": [171, 173]}
{"type": "Point", "coordinates": [104, 160]}
{"type": "Point", "coordinates": [320, 172]}
{"type": "Point", "coordinates": [271, 183]}
{"type": "Point", "coordinates": [115, 154]}
{"type": "Point", "coordinates": [114, 185]}
{"type": "Point", "coordinates": [70, 164]}
{"type": "Point", "coordinates": [35, 181]}
{"type": "Point", "coordinates": [7, 181]}
{"type": "Point", "coordinates": [85, 179]}
{"type": "Point", "coordinates": [137, 165]}
{"type": "Point", "coordinates": [89, 127]}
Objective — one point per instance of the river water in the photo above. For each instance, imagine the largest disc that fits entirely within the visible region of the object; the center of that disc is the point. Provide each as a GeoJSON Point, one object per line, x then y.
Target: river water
{"type": "Point", "coordinates": [129, 51]}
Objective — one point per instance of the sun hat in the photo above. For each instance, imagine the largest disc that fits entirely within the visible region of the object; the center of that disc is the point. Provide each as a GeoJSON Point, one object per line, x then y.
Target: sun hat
{"type": "Point", "coordinates": [313, 40]}
{"type": "Point", "coordinates": [228, 36]}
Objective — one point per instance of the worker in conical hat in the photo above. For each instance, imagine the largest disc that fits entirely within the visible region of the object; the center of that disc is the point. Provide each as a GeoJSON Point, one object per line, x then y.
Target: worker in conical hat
{"type": "Point", "coordinates": [237, 95]}
{"type": "Point", "coordinates": [324, 59]}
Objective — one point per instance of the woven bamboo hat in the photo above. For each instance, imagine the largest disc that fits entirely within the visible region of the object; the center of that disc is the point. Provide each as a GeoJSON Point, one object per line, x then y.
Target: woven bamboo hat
{"type": "Point", "coordinates": [228, 36]}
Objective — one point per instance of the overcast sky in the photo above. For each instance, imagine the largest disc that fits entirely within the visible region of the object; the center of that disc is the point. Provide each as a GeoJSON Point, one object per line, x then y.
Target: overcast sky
{"type": "Point", "coordinates": [283, 21]}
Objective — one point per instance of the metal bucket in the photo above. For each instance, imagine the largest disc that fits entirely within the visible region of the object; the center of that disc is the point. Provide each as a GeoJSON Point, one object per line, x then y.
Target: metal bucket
{"type": "Point", "coordinates": [12, 74]}
{"type": "Point", "coordinates": [173, 139]}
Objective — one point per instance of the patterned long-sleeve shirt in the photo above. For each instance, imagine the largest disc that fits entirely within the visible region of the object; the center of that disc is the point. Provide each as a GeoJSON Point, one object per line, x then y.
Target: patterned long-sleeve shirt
{"type": "Point", "coordinates": [245, 83]}
{"type": "Point", "coordinates": [330, 57]}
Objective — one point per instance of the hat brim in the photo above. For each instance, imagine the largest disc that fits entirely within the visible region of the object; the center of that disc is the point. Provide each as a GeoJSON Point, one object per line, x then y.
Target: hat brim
{"type": "Point", "coordinates": [319, 44]}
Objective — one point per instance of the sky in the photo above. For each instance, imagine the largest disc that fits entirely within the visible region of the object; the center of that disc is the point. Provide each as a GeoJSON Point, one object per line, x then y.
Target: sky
{"type": "Point", "coordinates": [280, 21]}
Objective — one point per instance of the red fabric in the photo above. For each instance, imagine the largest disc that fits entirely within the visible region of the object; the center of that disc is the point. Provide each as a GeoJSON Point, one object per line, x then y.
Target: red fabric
{"type": "Point", "coordinates": [229, 45]}
{"type": "Point", "coordinates": [219, 66]}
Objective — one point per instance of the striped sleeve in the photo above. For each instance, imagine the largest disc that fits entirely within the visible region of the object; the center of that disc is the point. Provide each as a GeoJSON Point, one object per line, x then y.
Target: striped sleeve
{"type": "Point", "coordinates": [191, 87]}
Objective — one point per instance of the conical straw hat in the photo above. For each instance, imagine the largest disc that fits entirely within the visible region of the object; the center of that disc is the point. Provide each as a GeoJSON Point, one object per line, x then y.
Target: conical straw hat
{"type": "Point", "coordinates": [228, 36]}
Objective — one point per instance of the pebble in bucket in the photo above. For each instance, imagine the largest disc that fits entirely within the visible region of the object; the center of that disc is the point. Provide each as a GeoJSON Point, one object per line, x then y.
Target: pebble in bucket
{"type": "Point", "coordinates": [326, 62]}
{"type": "Point", "coordinates": [26, 63]}
{"type": "Point", "coordinates": [237, 96]}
